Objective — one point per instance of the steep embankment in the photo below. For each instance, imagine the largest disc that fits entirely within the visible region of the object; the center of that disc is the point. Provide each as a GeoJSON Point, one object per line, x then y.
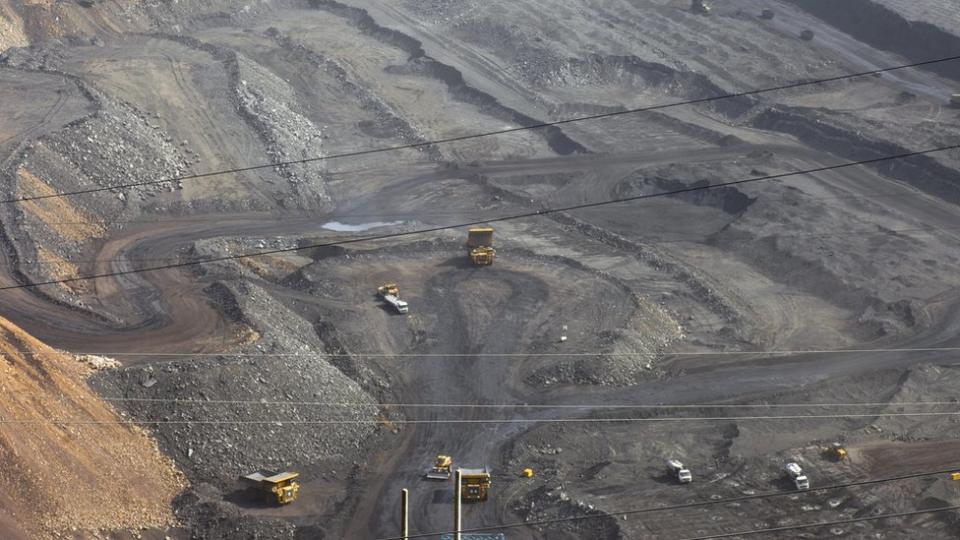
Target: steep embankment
{"type": "Point", "coordinates": [12, 33]}
{"type": "Point", "coordinates": [57, 477]}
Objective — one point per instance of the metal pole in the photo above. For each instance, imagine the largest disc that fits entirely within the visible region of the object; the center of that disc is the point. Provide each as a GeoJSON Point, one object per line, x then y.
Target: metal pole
{"type": "Point", "coordinates": [405, 514]}
{"type": "Point", "coordinates": [456, 505]}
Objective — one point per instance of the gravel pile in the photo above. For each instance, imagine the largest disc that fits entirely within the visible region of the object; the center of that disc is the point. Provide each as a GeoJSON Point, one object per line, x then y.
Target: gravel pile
{"type": "Point", "coordinates": [119, 145]}
{"type": "Point", "coordinates": [267, 104]}
{"type": "Point", "coordinates": [265, 100]}
{"type": "Point", "coordinates": [212, 519]}
{"type": "Point", "coordinates": [258, 433]}
{"type": "Point", "coordinates": [115, 145]}
{"type": "Point", "coordinates": [549, 503]}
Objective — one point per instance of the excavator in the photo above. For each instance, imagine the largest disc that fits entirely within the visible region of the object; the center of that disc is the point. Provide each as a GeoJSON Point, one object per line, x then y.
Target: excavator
{"type": "Point", "coordinates": [480, 246]}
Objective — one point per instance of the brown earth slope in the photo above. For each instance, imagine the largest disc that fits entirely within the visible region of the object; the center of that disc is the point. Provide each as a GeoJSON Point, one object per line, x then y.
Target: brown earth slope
{"type": "Point", "coordinates": [56, 477]}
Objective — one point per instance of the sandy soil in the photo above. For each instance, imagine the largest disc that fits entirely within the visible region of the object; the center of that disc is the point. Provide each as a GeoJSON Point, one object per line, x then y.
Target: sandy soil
{"type": "Point", "coordinates": [54, 475]}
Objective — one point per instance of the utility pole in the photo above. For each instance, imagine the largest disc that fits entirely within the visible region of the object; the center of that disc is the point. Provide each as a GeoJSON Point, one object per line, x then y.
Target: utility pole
{"type": "Point", "coordinates": [405, 514]}
{"type": "Point", "coordinates": [456, 505]}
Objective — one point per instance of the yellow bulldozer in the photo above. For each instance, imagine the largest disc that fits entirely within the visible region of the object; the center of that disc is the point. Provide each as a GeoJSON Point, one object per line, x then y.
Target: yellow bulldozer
{"type": "Point", "coordinates": [441, 468]}
{"type": "Point", "coordinates": [480, 245]}
{"type": "Point", "coordinates": [389, 288]}
{"type": "Point", "coordinates": [276, 487]}
{"type": "Point", "coordinates": [835, 451]}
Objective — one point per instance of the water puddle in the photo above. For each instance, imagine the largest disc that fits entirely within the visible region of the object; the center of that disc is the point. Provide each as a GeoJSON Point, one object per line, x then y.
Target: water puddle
{"type": "Point", "coordinates": [344, 227]}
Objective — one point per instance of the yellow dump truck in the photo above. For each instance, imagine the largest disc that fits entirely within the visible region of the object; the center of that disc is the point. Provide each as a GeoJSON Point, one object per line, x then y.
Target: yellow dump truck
{"type": "Point", "coordinates": [480, 245]}
{"type": "Point", "coordinates": [277, 487]}
{"type": "Point", "coordinates": [476, 484]}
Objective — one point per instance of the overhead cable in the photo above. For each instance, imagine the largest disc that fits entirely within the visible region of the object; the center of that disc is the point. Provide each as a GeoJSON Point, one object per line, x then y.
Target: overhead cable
{"type": "Point", "coordinates": [447, 140]}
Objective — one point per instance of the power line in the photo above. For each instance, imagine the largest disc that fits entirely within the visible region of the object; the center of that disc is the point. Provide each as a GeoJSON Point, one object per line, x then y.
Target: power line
{"type": "Point", "coordinates": [470, 421]}
{"type": "Point", "coordinates": [594, 406]}
{"type": "Point", "coordinates": [678, 238]}
{"type": "Point", "coordinates": [688, 505]}
{"type": "Point", "coordinates": [585, 354]}
{"type": "Point", "coordinates": [824, 523]}
{"type": "Point", "coordinates": [536, 213]}
{"type": "Point", "coordinates": [272, 217]}
{"type": "Point", "coordinates": [459, 138]}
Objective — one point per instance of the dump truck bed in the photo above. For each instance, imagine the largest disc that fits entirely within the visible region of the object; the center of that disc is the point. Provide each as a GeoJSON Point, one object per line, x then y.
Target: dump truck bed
{"type": "Point", "coordinates": [269, 477]}
{"type": "Point", "coordinates": [483, 472]}
{"type": "Point", "coordinates": [480, 237]}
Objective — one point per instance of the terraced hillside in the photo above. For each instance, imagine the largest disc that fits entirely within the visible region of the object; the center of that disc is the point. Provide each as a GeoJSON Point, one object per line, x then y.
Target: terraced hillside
{"type": "Point", "coordinates": [175, 196]}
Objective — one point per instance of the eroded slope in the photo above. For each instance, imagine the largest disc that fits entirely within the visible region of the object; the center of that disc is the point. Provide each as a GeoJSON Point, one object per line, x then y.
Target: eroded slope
{"type": "Point", "coordinates": [88, 472]}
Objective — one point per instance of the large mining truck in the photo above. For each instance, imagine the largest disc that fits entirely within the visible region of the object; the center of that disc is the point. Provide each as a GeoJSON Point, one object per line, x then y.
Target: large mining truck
{"type": "Point", "coordinates": [475, 484]}
{"type": "Point", "coordinates": [275, 487]}
{"type": "Point", "coordinates": [480, 245]}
